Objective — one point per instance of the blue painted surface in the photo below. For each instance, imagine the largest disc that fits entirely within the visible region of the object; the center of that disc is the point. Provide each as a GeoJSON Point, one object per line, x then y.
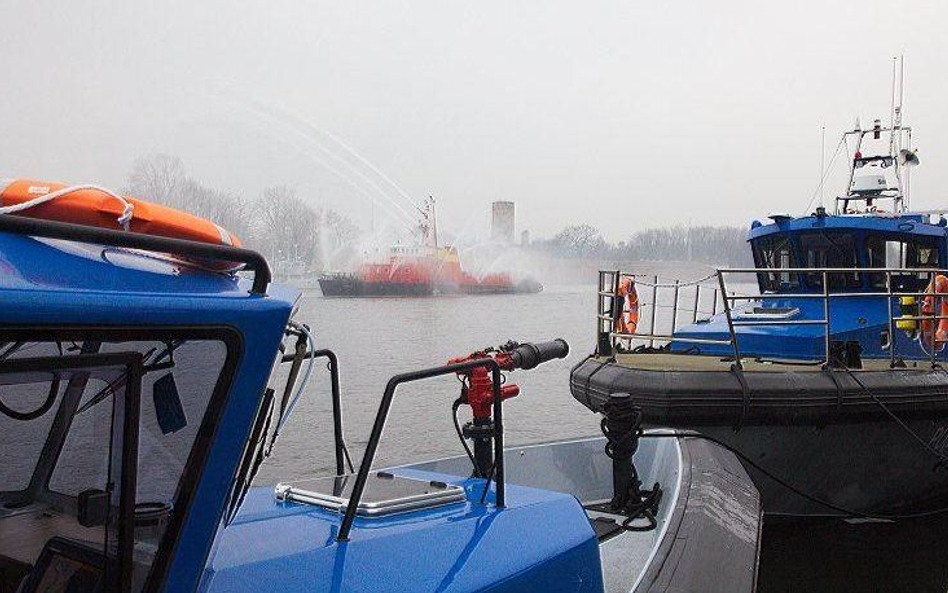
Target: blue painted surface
{"type": "Point", "coordinates": [541, 541]}
{"type": "Point", "coordinates": [55, 283]}
{"type": "Point", "coordinates": [915, 224]}
{"type": "Point", "coordinates": [863, 319]}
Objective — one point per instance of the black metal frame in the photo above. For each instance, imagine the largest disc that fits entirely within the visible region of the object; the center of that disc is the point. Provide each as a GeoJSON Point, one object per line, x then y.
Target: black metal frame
{"type": "Point", "coordinates": [132, 362]}
{"type": "Point", "coordinates": [181, 247]}
{"type": "Point", "coordinates": [195, 464]}
{"type": "Point", "coordinates": [393, 383]}
{"type": "Point", "coordinates": [340, 445]}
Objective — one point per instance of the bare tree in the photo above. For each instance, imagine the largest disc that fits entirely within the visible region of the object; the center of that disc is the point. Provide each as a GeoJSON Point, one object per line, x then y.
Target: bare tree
{"type": "Point", "coordinates": [580, 240]}
{"type": "Point", "coordinates": [338, 241]}
{"type": "Point", "coordinates": [708, 244]}
{"type": "Point", "coordinates": [227, 210]}
{"type": "Point", "coordinates": [717, 245]}
{"type": "Point", "coordinates": [342, 231]}
{"type": "Point", "coordinates": [158, 178]}
{"type": "Point", "coordinates": [279, 223]}
{"type": "Point", "coordinates": [286, 226]}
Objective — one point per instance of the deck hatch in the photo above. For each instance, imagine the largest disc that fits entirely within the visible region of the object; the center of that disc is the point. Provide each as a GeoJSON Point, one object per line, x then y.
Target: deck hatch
{"type": "Point", "coordinates": [384, 494]}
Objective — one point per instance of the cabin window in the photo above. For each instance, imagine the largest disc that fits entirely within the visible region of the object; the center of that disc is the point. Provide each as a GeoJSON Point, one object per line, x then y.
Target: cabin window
{"type": "Point", "coordinates": [51, 458]}
{"type": "Point", "coordinates": [827, 249]}
{"type": "Point", "coordinates": [894, 252]}
{"type": "Point", "coordinates": [62, 513]}
{"type": "Point", "coordinates": [775, 252]}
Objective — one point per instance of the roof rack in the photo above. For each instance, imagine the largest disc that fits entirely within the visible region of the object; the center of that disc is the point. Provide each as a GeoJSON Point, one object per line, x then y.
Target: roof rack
{"type": "Point", "coordinates": [86, 234]}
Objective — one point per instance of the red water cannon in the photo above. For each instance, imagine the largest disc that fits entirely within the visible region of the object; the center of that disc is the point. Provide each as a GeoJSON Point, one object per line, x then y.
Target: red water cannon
{"type": "Point", "coordinates": [477, 389]}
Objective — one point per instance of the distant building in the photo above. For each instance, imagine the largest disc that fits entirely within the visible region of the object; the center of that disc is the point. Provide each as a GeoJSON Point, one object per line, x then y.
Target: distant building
{"type": "Point", "coordinates": [525, 238]}
{"type": "Point", "coordinates": [502, 222]}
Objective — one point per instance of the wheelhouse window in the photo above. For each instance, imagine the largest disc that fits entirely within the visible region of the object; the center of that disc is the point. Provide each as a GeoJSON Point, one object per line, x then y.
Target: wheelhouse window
{"type": "Point", "coordinates": [59, 450]}
{"type": "Point", "coordinates": [68, 526]}
{"type": "Point", "coordinates": [895, 251]}
{"type": "Point", "coordinates": [775, 252]}
{"type": "Point", "coordinates": [829, 249]}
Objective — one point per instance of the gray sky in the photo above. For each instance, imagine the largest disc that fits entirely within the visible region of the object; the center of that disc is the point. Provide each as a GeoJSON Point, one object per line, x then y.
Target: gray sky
{"type": "Point", "coordinates": [621, 114]}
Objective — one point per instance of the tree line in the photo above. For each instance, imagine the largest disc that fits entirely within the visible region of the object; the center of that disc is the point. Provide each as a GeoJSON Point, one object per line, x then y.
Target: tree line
{"type": "Point", "coordinates": [278, 222]}
{"type": "Point", "coordinates": [289, 229]}
{"type": "Point", "coordinates": [715, 245]}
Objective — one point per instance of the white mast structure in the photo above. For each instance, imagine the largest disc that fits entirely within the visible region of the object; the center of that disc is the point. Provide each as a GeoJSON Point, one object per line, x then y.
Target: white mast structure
{"type": "Point", "coordinates": [869, 180]}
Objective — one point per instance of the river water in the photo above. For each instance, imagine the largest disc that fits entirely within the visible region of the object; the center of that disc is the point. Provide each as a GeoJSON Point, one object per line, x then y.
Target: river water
{"type": "Point", "coordinates": [377, 338]}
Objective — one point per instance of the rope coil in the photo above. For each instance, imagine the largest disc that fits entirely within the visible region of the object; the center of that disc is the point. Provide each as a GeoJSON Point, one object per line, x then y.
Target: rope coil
{"type": "Point", "coordinates": [622, 426]}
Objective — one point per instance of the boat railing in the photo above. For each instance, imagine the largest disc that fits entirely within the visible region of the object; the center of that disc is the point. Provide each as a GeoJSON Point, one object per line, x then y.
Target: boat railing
{"type": "Point", "coordinates": [610, 306]}
{"type": "Point", "coordinates": [695, 300]}
{"type": "Point", "coordinates": [382, 415]}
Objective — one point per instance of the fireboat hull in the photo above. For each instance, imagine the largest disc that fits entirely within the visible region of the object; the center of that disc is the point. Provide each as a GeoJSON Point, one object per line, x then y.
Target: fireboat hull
{"type": "Point", "coordinates": [350, 286]}
{"type": "Point", "coordinates": [353, 286]}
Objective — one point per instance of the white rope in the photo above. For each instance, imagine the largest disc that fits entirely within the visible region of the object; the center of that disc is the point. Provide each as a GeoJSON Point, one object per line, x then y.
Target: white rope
{"type": "Point", "coordinates": [123, 220]}
{"type": "Point", "coordinates": [671, 284]}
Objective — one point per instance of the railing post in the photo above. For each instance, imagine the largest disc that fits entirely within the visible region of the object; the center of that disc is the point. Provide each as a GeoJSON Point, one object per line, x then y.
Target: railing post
{"type": "Point", "coordinates": [826, 318]}
{"type": "Point", "coordinates": [604, 327]}
{"type": "Point", "coordinates": [934, 347]}
{"type": "Point", "coordinates": [336, 412]}
{"type": "Point", "coordinates": [618, 303]}
{"type": "Point", "coordinates": [694, 312]}
{"type": "Point", "coordinates": [372, 446]}
{"type": "Point", "coordinates": [651, 342]}
{"type": "Point", "coordinates": [600, 306]}
{"type": "Point", "coordinates": [338, 438]}
{"type": "Point", "coordinates": [730, 322]}
{"type": "Point", "coordinates": [888, 287]}
{"type": "Point", "coordinates": [675, 309]}
{"type": "Point", "coordinates": [714, 302]}
{"type": "Point", "coordinates": [500, 498]}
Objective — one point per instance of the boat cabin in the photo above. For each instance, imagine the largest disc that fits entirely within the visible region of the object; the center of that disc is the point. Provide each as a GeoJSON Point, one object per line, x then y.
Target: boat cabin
{"type": "Point", "coordinates": [823, 241]}
{"type": "Point", "coordinates": [823, 281]}
{"type": "Point", "coordinates": [858, 280]}
{"type": "Point", "coordinates": [129, 383]}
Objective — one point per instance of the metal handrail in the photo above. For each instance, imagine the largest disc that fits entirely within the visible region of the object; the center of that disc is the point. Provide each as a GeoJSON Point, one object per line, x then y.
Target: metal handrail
{"type": "Point", "coordinates": [889, 294]}
{"type": "Point", "coordinates": [86, 234]}
{"type": "Point", "coordinates": [671, 337]}
{"type": "Point", "coordinates": [338, 438]}
{"type": "Point", "coordinates": [727, 299]}
{"type": "Point", "coordinates": [832, 270]}
{"type": "Point", "coordinates": [380, 418]}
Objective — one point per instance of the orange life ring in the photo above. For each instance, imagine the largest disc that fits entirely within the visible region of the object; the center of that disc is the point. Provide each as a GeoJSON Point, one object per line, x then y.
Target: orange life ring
{"type": "Point", "coordinates": [628, 319]}
{"type": "Point", "coordinates": [937, 338]}
{"type": "Point", "coordinates": [95, 206]}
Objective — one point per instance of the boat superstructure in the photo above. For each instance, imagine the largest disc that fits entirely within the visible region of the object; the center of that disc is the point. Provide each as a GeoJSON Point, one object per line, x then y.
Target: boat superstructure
{"type": "Point", "coordinates": [820, 364]}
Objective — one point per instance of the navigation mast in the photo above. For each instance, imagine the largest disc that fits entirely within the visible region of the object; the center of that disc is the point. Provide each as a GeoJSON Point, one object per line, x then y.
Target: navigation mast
{"type": "Point", "coordinates": [869, 175]}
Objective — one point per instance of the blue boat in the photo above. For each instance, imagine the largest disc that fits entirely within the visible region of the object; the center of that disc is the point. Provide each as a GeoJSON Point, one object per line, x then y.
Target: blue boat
{"type": "Point", "coordinates": [821, 366]}
{"type": "Point", "coordinates": [138, 398]}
